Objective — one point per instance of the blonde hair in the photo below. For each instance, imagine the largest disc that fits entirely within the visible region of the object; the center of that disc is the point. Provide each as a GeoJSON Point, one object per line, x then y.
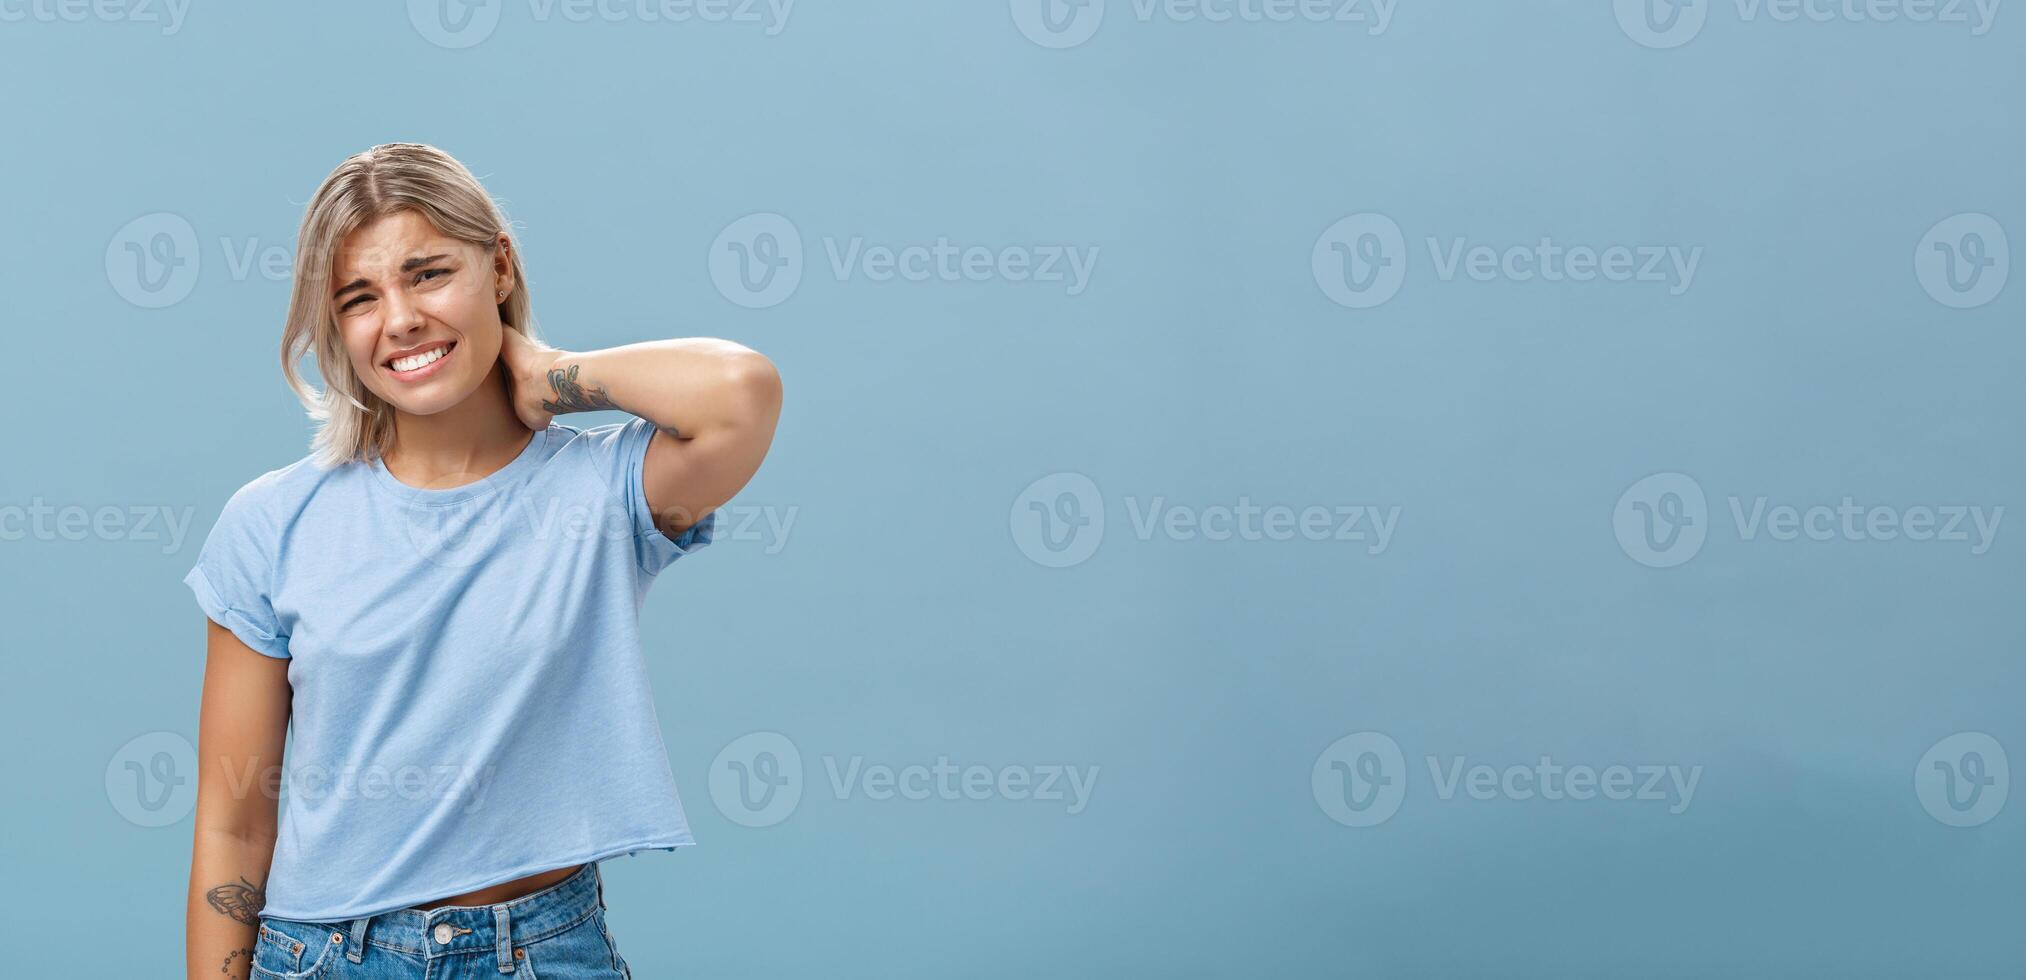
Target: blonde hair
{"type": "Point", "coordinates": [354, 423]}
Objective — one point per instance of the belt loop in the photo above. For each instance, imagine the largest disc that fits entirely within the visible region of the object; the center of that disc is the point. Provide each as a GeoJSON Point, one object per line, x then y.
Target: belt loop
{"type": "Point", "coordinates": [503, 934]}
{"type": "Point", "coordinates": [355, 950]}
{"type": "Point", "coordinates": [598, 874]}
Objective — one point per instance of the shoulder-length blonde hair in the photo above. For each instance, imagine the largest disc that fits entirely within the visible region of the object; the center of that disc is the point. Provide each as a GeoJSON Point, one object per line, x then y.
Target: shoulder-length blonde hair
{"type": "Point", "coordinates": [353, 423]}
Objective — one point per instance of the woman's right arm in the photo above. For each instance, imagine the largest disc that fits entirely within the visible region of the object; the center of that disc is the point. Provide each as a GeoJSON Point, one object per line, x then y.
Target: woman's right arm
{"type": "Point", "coordinates": [241, 730]}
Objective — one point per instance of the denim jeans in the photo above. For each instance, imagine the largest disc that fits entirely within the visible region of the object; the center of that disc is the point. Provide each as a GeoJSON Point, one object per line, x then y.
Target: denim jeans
{"type": "Point", "coordinates": [557, 933]}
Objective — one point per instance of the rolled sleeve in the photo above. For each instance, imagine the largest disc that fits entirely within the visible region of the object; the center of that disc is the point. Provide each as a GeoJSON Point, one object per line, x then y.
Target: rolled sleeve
{"type": "Point", "coordinates": [621, 452]}
{"type": "Point", "coordinates": [656, 550]}
{"type": "Point", "coordinates": [263, 639]}
{"type": "Point", "coordinates": [234, 573]}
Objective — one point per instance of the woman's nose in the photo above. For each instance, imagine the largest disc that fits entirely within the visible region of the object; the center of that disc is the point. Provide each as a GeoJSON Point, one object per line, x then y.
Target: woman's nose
{"type": "Point", "coordinates": [403, 315]}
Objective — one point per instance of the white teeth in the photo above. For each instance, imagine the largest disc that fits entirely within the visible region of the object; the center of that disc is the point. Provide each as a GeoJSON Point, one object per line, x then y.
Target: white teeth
{"type": "Point", "coordinates": [405, 364]}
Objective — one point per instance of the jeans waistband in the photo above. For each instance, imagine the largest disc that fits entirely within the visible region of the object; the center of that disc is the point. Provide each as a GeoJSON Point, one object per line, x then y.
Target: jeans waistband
{"type": "Point", "coordinates": [501, 927]}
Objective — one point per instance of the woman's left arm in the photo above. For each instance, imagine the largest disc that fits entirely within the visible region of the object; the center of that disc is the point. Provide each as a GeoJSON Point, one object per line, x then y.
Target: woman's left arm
{"type": "Point", "coordinates": [713, 404]}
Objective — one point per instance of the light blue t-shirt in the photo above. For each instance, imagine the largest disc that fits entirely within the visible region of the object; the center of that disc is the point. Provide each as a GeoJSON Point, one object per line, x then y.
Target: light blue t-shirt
{"type": "Point", "coordinates": [471, 704]}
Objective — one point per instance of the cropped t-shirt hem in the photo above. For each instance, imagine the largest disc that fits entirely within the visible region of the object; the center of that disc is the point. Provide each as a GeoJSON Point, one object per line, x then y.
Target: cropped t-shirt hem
{"type": "Point", "coordinates": [546, 864]}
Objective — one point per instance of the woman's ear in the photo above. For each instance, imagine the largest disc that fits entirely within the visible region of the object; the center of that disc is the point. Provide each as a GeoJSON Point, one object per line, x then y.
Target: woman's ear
{"type": "Point", "coordinates": [502, 267]}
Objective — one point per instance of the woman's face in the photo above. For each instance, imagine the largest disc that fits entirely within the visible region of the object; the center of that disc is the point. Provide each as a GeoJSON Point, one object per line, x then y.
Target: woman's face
{"type": "Point", "coordinates": [419, 312]}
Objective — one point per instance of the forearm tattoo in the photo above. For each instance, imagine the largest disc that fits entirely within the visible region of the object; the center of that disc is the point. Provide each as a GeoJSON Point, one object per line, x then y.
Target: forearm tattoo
{"type": "Point", "coordinates": [244, 970]}
{"type": "Point", "coordinates": [241, 900]}
{"type": "Point", "coordinates": [573, 396]}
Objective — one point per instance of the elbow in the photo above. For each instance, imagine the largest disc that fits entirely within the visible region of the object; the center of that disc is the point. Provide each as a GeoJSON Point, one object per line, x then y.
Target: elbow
{"type": "Point", "coordinates": [250, 822]}
{"type": "Point", "coordinates": [754, 383]}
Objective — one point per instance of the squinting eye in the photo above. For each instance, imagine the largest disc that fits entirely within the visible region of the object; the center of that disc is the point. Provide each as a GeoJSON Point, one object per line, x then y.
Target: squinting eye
{"type": "Point", "coordinates": [428, 274]}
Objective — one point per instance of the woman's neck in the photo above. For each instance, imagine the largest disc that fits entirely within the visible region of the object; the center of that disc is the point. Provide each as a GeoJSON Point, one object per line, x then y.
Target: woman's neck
{"type": "Point", "coordinates": [458, 445]}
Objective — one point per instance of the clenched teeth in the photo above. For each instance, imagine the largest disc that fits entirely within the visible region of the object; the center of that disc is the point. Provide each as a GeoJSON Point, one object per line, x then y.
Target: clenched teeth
{"type": "Point", "coordinates": [410, 363]}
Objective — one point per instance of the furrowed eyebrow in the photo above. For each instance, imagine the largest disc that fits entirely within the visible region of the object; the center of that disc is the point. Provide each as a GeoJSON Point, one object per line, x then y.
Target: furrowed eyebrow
{"type": "Point", "coordinates": [409, 266]}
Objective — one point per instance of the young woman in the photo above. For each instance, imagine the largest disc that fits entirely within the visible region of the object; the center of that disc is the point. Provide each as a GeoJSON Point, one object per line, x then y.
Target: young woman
{"type": "Point", "coordinates": [443, 601]}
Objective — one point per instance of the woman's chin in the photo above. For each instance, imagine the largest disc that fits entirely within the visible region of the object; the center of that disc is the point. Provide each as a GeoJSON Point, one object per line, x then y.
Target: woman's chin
{"type": "Point", "coordinates": [431, 398]}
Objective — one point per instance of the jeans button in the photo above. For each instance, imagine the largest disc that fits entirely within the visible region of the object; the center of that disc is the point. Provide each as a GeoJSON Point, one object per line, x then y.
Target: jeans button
{"type": "Point", "coordinates": [443, 934]}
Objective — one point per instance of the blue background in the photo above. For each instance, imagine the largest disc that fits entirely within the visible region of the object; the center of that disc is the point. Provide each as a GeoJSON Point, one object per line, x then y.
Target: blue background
{"type": "Point", "coordinates": [902, 620]}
